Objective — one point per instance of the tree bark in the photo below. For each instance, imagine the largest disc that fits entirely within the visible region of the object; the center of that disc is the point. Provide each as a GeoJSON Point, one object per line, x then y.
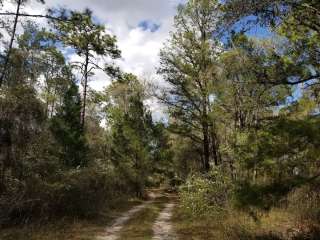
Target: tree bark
{"type": "Point", "coordinates": [83, 115]}
{"type": "Point", "coordinates": [206, 147]}
{"type": "Point", "coordinates": [5, 155]}
{"type": "Point", "coordinates": [215, 147]}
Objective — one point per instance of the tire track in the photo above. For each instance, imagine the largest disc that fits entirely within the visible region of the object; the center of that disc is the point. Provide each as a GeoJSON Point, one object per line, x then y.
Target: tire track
{"type": "Point", "coordinates": [113, 232]}
{"type": "Point", "coordinates": [162, 227]}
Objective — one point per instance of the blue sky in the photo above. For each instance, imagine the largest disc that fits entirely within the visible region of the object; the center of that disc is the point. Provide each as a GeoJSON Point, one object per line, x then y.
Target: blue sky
{"type": "Point", "coordinates": [141, 27]}
{"type": "Point", "coordinates": [149, 25]}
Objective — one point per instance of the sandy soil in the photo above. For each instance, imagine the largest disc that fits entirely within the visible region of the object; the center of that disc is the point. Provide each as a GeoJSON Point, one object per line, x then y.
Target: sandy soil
{"type": "Point", "coordinates": [162, 228]}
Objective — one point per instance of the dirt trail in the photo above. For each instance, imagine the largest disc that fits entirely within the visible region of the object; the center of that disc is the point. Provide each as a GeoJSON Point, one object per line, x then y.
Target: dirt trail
{"type": "Point", "coordinates": [162, 228]}
{"type": "Point", "coordinates": [113, 232]}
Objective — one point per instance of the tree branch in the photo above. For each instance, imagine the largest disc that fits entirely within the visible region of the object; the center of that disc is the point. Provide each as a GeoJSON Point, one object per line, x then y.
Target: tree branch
{"type": "Point", "coordinates": [34, 16]}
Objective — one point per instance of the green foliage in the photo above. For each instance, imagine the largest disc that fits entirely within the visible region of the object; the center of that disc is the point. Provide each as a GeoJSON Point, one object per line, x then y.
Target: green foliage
{"type": "Point", "coordinates": [247, 108]}
{"type": "Point", "coordinates": [81, 33]}
{"type": "Point", "coordinates": [162, 154]}
{"type": "Point", "coordinates": [67, 129]}
{"type": "Point", "coordinates": [297, 21]}
{"type": "Point", "coordinates": [44, 150]}
{"type": "Point", "coordinates": [283, 156]}
{"type": "Point", "coordinates": [188, 64]}
{"type": "Point", "coordinates": [90, 41]}
{"type": "Point", "coordinates": [131, 131]}
{"type": "Point", "coordinates": [206, 196]}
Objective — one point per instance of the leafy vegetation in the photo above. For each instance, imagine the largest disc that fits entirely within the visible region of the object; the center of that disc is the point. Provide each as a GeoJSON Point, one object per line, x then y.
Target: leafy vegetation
{"type": "Point", "coordinates": [240, 142]}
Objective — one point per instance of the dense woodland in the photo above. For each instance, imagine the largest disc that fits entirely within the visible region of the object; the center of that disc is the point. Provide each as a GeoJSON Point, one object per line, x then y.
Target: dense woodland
{"type": "Point", "coordinates": [240, 139]}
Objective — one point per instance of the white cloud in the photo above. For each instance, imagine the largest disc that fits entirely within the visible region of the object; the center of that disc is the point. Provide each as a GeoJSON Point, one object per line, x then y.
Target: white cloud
{"type": "Point", "coordinates": [140, 47]}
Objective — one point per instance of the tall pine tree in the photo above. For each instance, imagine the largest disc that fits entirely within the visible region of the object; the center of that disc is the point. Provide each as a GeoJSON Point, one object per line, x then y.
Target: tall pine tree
{"type": "Point", "coordinates": [68, 131]}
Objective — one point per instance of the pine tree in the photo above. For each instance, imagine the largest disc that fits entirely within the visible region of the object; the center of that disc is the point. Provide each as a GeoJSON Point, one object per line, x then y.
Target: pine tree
{"type": "Point", "coordinates": [90, 41]}
{"type": "Point", "coordinates": [131, 131]}
{"type": "Point", "coordinates": [188, 64]}
{"type": "Point", "coordinates": [68, 131]}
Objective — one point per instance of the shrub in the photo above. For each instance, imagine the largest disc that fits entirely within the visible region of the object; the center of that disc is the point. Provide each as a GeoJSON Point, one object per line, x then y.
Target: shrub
{"type": "Point", "coordinates": [205, 195]}
{"type": "Point", "coordinates": [304, 202]}
{"type": "Point", "coordinates": [77, 192]}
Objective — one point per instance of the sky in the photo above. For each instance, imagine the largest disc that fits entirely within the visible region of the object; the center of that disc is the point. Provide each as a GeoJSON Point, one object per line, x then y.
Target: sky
{"type": "Point", "coordinates": [141, 28]}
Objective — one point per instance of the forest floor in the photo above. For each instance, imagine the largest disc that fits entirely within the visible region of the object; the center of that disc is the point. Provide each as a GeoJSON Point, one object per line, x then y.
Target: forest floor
{"type": "Point", "coordinates": [157, 218]}
{"type": "Point", "coordinates": [69, 228]}
{"type": "Point", "coordinates": [130, 220]}
{"type": "Point", "coordinates": [277, 224]}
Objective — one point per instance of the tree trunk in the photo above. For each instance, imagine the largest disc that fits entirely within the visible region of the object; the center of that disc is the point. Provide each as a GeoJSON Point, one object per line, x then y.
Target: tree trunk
{"type": "Point", "coordinates": [53, 103]}
{"type": "Point", "coordinates": [215, 147]}
{"type": "Point", "coordinates": [6, 62]}
{"type": "Point", "coordinates": [136, 165]}
{"type": "Point", "coordinates": [83, 115]}
{"type": "Point", "coordinates": [5, 155]}
{"type": "Point", "coordinates": [206, 147]}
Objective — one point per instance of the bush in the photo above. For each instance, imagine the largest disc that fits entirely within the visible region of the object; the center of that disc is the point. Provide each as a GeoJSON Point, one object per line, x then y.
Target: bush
{"type": "Point", "coordinates": [78, 193]}
{"type": "Point", "coordinates": [304, 202]}
{"type": "Point", "coordinates": [205, 195]}
{"type": "Point", "coordinates": [82, 192]}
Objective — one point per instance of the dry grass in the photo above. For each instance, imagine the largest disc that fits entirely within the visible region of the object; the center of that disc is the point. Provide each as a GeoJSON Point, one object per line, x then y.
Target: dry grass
{"type": "Point", "coordinates": [234, 226]}
{"type": "Point", "coordinates": [68, 229]}
{"type": "Point", "coordinates": [79, 230]}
